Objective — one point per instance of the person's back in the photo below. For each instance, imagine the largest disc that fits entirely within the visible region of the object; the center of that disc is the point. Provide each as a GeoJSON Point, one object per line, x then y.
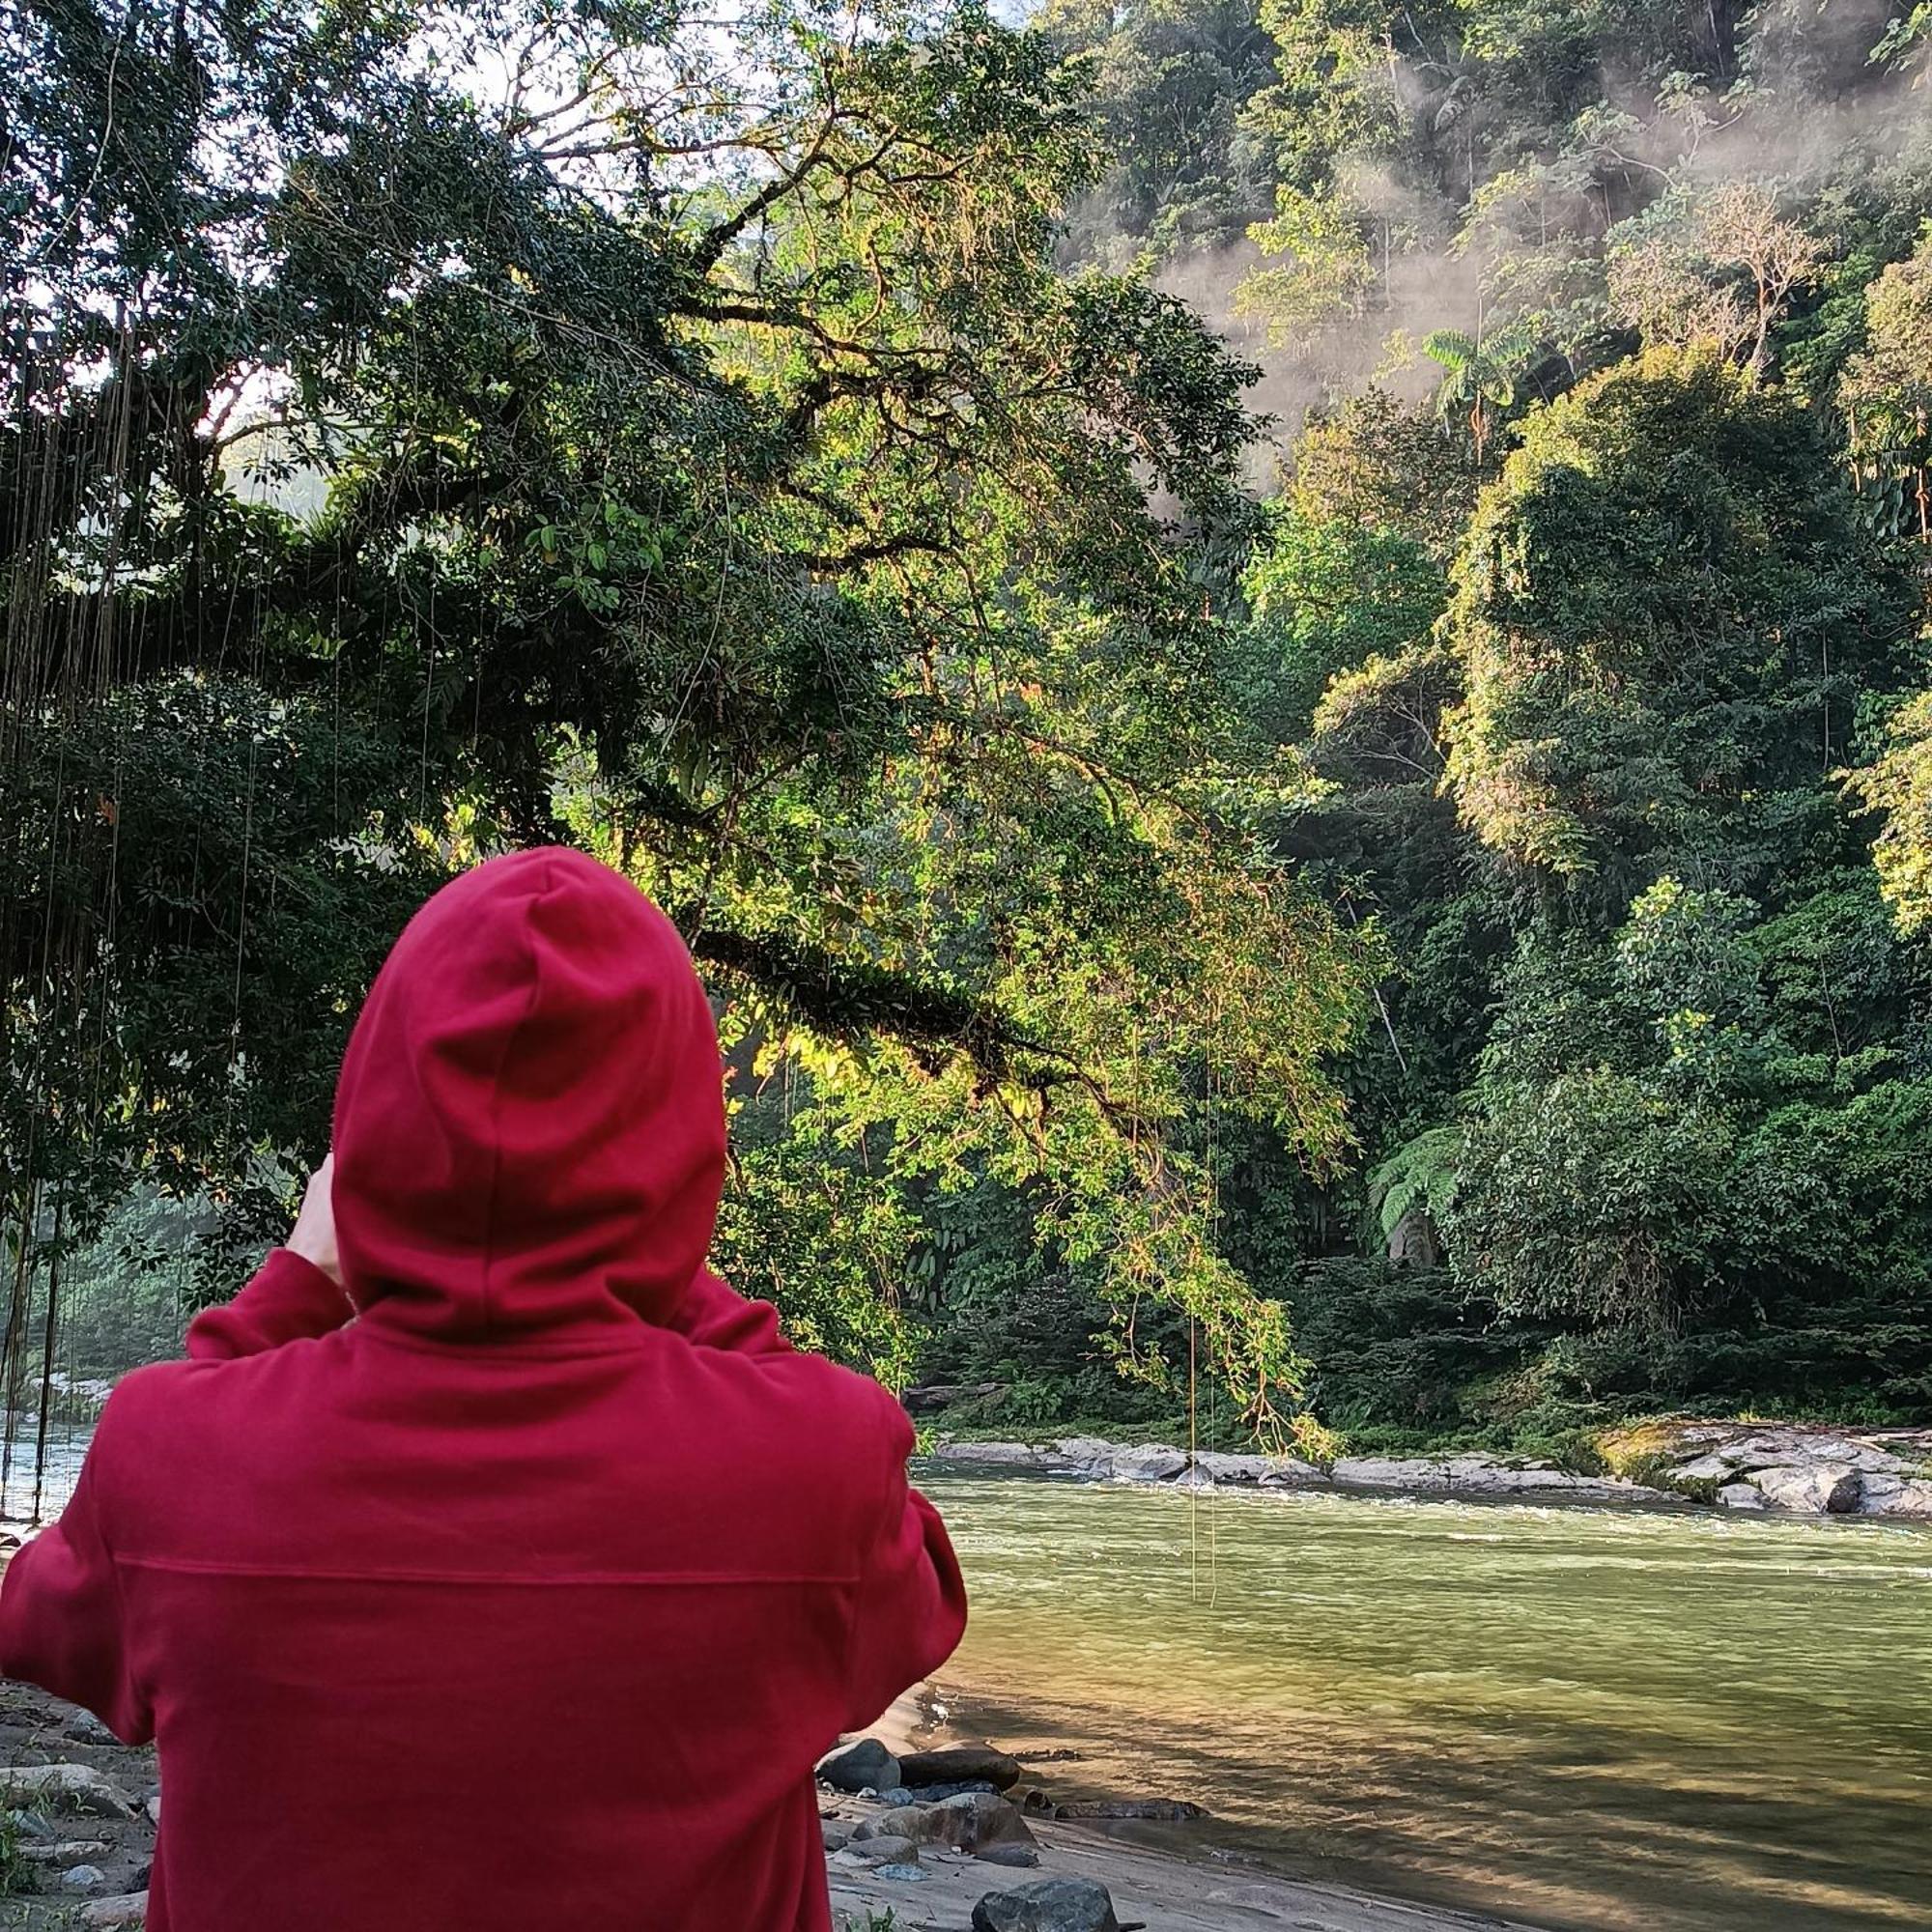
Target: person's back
{"type": "Point", "coordinates": [530, 1597]}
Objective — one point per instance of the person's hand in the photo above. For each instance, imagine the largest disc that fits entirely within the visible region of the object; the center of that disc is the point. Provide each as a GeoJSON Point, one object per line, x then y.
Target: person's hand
{"type": "Point", "coordinates": [314, 1235]}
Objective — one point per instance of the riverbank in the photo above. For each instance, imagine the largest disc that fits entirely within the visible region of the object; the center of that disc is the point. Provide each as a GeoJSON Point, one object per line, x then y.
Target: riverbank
{"type": "Point", "coordinates": [983, 1866]}
{"type": "Point", "coordinates": [1801, 1468]}
{"type": "Point", "coordinates": [82, 1808]}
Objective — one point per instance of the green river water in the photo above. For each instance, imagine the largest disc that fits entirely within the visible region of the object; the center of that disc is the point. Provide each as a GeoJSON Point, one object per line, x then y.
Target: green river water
{"type": "Point", "coordinates": [1584, 1718]}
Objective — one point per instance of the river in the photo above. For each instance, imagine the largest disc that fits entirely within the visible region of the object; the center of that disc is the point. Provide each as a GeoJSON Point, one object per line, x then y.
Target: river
{"type": "Point", "coordinates": [1592, 1718]}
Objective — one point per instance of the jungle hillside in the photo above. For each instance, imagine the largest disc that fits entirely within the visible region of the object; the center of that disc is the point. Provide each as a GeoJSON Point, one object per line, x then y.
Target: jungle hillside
{"type": "Point", "coordinates": [1275, 654]}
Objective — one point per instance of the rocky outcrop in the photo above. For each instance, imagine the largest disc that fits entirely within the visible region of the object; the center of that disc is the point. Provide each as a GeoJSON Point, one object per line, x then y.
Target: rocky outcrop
{"type": "Point", "coordinates": [1738, 1465]}
{"type": "Point", "coordinates": [967, 1822]}
{"type": "Point", "coordinates": [1809, 1469]}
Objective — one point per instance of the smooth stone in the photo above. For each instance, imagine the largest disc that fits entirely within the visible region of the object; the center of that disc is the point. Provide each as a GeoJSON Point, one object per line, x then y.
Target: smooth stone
{"type": "Point", "coordinates": [886, 1848]}
{"type": "Point", "coordinates": [1742, 1497]}
{"type": "Point", "coordinates": [1008, 1855]}
{"type": "Point", "coordinates": [83, 1878]}
{"type": "Point", "coordinates": [1048, 1905]}
{"type": "Point", "coordinates": [961, 1764]}
{"type": "Point", "coordinates": [65, 1787]}
{"type": "Point", "coordinates": [124, 1914]}
{"type": "Point", "coordinates": [1826, 1489]}
{"type": "Point", "coordinates": [867, 1766]}
{"type": "Point", "coordinates": [837, 1836]}
{"type": "Point", "coordinates": [898, 1795]}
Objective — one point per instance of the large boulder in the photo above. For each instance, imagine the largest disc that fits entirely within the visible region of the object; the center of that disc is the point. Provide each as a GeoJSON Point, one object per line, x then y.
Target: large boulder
{"type": "Point", "coordinates": [1742, 1497]}
{"type": "Point", "coordinates": [1895, 1495]}
{"type": "Point", "coordinates": [886, 1847]}
{"type": "Point", "coordinates": [1149, 1462]}
{"type": "Point", "coordinates": [1047, 1905]}
{"type": "Point", "coordinates": [867, 1766]}
{"type": "Point", "coordinates": [967, 1822]}
{"type": "Point", "coordinates": [64, 1787]}
{"type": "Point", "coordinates": [960, 1764]}
{"type": "Point", "coordinates": [1825, 1487]}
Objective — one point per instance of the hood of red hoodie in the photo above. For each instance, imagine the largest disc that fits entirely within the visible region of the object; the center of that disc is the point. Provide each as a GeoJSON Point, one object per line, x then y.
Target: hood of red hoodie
{"type": "Point", "coordinates": [529, 1123]}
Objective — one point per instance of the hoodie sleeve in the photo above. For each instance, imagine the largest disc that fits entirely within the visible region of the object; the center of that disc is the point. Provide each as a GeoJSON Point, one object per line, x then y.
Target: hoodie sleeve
{"type": "Point", "coordinates": [910, 1611]}
{"type": "Point", "coordinates": [289, 1299]}
{"type": "Point", "coordinates": [715, 1316]}
{"type": "Point", "coordinates": [62, 1618]}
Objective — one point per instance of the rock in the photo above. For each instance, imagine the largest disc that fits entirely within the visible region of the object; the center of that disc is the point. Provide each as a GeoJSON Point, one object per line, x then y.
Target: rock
{"type": "Point", "coordinates": [85, 1728]}
{"type": "Point", "coordinates": [836, 1835]}
{"type": "Point", "coordinates": [1149, 1462]}
{"type": "Point", "coordinates": [900, 1795]}
{"type": "Point", "coordinates": [867, 1766]}
{"type": "Point", "coordinates": [1048, 1905]}
{"type": "Point", "coordinates": [1894, 1496]}
{"type": "Point", "coordinates": [901, 1874]}
{"type": "Point", "coordinates": [1008, 1855]}
{"type": "Point", "coordinates": [1740, 1497]}
{"type": "Point", "coordinates": [125, 1914]}
{"type": "Point", "coordinates": [153, 1807]}
{"type": "Point", "coordinates": [1085, 1456]}
{"type": "Point", "coordinates": [966, 1823]}
{"type": "Point", "coordinates": [1286, 1472]}
{"type": "Point", "coordinates": [1717, 1468]}
{"type": "Point", "coordinates": [960, 1764]}
{"type": "Point", "coordinates": [69, 1851]}
{"type": "Point", "coordinates": [65, 1787]}
{"type": "Point", "coordinates": [993, 1455]}
{"type": "Point", "coordinates": [1821, 1487]}
{"type": "Point", "coordinates": [932, 1794]}
{"type": "Point", "coordinates": [886, 1848]}
{"type": "Point", "coordinates": [83, 1878]}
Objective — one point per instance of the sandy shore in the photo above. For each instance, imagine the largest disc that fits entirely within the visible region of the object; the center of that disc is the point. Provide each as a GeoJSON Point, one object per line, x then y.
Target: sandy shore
{"type": "Point", "coordinates": [1165, 1892]}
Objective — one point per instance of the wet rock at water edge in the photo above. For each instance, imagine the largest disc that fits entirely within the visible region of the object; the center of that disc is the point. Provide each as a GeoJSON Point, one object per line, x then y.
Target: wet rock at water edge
{"type": "Point", "coordinates": [64, 1787]}
{"type": "Point", "coordinates": [1823, 1488]}
{"type": "Point", "coordinates": [1895, 1495]}
{"type": "Point", "coordinates": [1150, 1462]}
{"type": "Point", "coordinates": [1048, 1905]}
{"type": "Point", "coordinates": [960, 1764]}
{"type": "Point", "coordinates": [867, 1766]}
{"type": "Point", "coordinates": [1742, 1497]}
{"type": "Point", "coordinates": [993, 1455]}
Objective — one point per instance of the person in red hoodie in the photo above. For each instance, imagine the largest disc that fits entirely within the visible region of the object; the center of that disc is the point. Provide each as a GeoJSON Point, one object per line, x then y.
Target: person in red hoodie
{"type": "Point", "coordinates": [529, 1596]}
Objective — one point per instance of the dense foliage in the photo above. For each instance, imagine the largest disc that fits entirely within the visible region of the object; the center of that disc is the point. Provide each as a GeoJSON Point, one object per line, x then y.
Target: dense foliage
{"type": "Point", "coordinates": [1437, 933]}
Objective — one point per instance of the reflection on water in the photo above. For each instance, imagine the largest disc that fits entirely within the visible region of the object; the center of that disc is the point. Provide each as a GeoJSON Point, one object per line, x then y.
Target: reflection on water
{"type": "Point", "coordinates": [1589, 1718]}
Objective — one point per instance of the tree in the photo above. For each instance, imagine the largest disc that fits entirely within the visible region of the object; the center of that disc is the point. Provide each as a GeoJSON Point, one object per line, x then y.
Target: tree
{"type": "Point", "coordinates": [768, 515]}
{"type": "Point", "coordinates": [1665, 615]}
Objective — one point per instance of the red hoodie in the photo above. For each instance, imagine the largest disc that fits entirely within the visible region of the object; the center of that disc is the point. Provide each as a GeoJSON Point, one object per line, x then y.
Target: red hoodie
{"type": "Point", "coordinates": [528, 1599]}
